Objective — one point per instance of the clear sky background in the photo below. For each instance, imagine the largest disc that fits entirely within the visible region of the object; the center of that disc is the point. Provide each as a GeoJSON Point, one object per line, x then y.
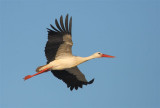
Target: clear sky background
{"type": "Point", "coordinates": [127, 29]}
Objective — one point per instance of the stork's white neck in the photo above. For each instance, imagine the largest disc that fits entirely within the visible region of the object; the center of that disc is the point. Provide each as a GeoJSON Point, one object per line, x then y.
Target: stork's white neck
{"type": "Point", "coordinates": [89, 57]}
{"type": "Point", "coordinates": [84, 59]}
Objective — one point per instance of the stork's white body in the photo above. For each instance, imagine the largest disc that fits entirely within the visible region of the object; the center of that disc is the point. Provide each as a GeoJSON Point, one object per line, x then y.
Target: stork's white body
{"type": "Point", "coordinates": [68, 62]}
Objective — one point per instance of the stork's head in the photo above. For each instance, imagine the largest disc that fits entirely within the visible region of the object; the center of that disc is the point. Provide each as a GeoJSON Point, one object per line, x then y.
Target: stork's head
{"type": "Point", "coordinates": [99, 55]}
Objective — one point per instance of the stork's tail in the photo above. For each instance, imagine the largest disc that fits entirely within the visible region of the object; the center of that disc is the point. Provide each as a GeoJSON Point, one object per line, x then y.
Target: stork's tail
{"type": "Point", "coordinates": [39, 68]}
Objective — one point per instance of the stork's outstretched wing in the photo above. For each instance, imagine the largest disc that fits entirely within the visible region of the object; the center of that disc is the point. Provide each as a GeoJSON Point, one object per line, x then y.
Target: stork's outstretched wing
{"type": "Point", "coordinates": [73, 77]}
{"type": "Point", "coordinates": [59, 42]}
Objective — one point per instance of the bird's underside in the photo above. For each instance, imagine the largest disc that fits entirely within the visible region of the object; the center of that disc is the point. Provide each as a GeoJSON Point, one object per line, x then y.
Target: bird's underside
{"type": "Point", "coordinates": [59, 45]}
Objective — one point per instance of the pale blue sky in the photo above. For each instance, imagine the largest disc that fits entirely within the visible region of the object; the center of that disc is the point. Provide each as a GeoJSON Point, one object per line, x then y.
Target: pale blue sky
{"type": "Point", "coordinates": [127, 29]}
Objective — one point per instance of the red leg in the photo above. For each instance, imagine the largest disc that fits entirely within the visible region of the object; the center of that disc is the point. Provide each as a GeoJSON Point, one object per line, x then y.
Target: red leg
{"type": "Point", "coordinates": [30, 76]}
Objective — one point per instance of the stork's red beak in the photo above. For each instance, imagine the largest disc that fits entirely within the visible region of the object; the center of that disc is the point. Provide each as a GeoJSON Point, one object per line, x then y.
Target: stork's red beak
{"type": "Point", "coordinates": [109, 56]}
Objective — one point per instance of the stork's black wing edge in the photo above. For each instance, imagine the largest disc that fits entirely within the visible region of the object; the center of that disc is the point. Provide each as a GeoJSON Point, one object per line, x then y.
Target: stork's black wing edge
{"type": "Point", "coordinates": [71, 80]}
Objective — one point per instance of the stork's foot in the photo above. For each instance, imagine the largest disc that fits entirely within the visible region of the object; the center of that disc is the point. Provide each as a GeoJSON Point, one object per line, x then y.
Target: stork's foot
{"type": "Point", "coordinates": [27, 77]}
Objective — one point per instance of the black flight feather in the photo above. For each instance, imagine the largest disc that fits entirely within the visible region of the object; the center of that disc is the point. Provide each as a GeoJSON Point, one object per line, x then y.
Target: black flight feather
{"type": "Point", "coordinates": [54, 28]}
{"type": "Point", "coordinates": [58, 25]}
{"type": "Point", "coordinates": [61, 22]}
{"type": "Point", "coordinates": [66, 22]}
{"type": "Point", "coordinates": [70, 25]}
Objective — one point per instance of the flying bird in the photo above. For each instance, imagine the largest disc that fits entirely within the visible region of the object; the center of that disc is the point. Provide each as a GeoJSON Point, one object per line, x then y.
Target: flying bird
{"type": "Point", "coordinates": [60, 60]}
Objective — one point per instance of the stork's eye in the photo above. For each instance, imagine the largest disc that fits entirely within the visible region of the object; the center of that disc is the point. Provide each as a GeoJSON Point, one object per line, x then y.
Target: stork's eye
{"type": "Point", "coordinates": [99, 53]}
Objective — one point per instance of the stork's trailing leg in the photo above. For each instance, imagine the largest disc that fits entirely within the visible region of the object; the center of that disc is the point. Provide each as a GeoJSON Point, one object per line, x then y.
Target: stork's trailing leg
{"type": "Point", "coordinates": [42, 71]}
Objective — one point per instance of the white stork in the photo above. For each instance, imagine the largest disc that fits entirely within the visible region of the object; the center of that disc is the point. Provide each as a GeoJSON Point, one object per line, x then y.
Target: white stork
{"type": "Point", "coordinates": [60, 60]}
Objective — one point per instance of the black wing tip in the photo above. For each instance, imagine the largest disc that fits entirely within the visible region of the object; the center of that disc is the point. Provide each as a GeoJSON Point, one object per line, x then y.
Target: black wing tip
{"type": "Point", "coordinates": [70, 25]}
{"type": "Point", "coordinates": [60, 27]}
{"type": "Point", "coordinates": [80, 86]}
{"type": "Point", "coordinates": [71, 88]}
{"type": "Point", "coordinates": [67, 15]}
{"type": "Point", "coordinates": [91, 81]}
